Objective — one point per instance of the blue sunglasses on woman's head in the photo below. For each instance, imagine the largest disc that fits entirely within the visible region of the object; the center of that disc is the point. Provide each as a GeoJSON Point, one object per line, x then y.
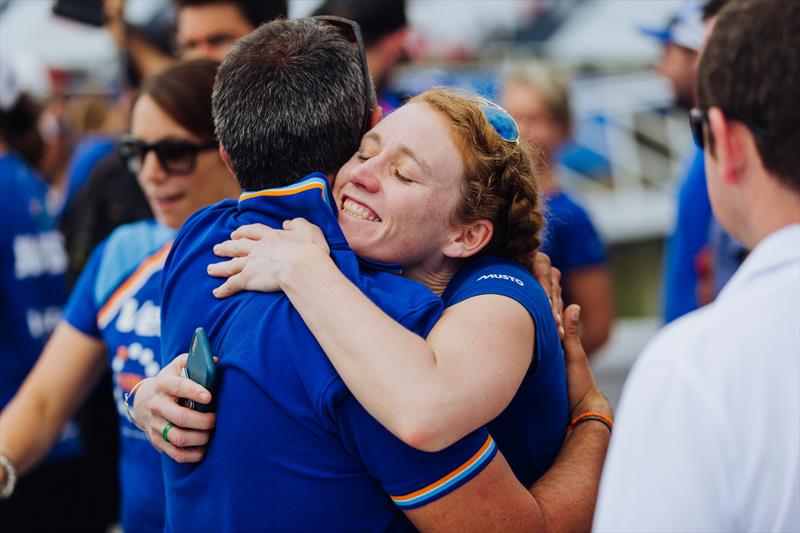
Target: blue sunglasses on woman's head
{"type": "Point", "coordinates": [500, 120]}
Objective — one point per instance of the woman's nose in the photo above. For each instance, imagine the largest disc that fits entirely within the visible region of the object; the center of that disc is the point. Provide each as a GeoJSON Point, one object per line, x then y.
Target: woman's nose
{"type": "Point", "coordinates": [365, 175]}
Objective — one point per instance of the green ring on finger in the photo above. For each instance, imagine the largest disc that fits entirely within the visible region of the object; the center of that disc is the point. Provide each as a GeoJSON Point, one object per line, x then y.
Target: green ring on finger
{"type": "Point", "coordinates": [165, 431]}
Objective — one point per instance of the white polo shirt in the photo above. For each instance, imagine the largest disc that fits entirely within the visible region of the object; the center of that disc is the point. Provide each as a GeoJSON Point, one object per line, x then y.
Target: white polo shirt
{"type": "Point", "coordinates": [708, 430]}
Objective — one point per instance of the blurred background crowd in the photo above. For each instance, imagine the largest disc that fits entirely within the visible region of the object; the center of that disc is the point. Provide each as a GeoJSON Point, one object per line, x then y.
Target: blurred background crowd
{"type": "Point", "coordinates": [600, 90]}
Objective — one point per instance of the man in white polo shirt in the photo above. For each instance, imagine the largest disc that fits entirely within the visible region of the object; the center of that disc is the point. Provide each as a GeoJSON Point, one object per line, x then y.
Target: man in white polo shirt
{"type": "Point", "coordinates": [708, 431]}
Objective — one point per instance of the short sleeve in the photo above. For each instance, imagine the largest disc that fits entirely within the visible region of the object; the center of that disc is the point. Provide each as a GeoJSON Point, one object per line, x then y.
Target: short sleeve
{"type": "Point", "coordinates": [82, 307]}
{"type": "Point", "coordinates": [410, 477]}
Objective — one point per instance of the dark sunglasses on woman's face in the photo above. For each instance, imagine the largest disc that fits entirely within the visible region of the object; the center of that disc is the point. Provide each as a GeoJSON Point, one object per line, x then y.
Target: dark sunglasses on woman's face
{"type": "Point", "coordinates": [350, 30]}
{"type": "Point", "coordinates": [176, 157]}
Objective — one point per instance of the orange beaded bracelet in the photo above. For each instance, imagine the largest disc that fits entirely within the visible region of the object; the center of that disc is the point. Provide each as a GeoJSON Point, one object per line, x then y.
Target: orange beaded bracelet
{"type": "Point", "coordinates": [600, 417]}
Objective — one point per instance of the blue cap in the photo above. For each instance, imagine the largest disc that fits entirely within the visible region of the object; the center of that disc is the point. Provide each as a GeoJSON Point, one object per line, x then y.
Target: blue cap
{"type": "Point", "coordinates": [684, 29]}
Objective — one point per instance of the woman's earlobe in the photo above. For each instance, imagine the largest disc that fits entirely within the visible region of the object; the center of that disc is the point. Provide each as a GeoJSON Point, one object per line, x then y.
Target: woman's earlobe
{"type": "Point", "coordinates": [469, 239]}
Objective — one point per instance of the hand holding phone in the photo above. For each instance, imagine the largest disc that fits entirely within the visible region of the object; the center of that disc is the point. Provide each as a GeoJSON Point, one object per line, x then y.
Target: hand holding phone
{"type": "Point", "coordinates": [201, 369]}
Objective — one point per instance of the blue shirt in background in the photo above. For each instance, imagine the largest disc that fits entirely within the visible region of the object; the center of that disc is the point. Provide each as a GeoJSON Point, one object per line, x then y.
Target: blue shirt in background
{"type": "Point", "coordinates": [32, 272]}
{"type": "Point", "coordinates": [117, 300]}
{"type": "Point", "coordinates": [530, 431]}
{"type": "Point", "coordinates": [292, 449]}
{"type": "Point", "coordinates": [687, 240]}
{"type": "Point", "coordinates": [570, 238]}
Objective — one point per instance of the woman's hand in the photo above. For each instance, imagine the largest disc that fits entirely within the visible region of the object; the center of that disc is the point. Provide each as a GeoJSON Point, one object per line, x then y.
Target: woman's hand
{"type": "Point", "coordinates": [262, 257]}
{"type": "Point", "coordinates": [156, 404]}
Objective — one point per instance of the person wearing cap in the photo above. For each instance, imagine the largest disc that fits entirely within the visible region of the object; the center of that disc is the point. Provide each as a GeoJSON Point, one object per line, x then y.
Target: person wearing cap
{"type": "Point", "coordinates": [708, 429]}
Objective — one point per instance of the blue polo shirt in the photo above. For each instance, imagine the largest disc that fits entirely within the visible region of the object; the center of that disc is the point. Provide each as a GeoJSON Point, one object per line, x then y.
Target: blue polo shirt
{"type": "Point", "coordinates": [531, 429]}
{"type": "Point", "coordinates": [292, 449]}
{"type": "Point", "coordinates": [117, 300]}
{"type": "Point", "coordinates": [32, 282]}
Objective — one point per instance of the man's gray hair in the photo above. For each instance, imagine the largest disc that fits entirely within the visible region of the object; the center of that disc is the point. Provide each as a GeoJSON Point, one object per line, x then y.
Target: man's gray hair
{"type": "Point", "coordinates": [289, 100]}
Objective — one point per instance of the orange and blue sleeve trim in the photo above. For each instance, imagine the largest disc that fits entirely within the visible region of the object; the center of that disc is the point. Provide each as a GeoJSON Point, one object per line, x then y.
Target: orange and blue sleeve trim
{"type": "Point", "coordinates": [452, 480]}
{"type": "Point", "coordinates": [130, 286]}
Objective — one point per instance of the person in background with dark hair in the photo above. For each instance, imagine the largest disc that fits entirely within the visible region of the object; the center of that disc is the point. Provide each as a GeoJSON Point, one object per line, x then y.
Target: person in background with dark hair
{"type": "Point", "coordinates": [208, 28]}
{"type": "Point", "coordinates": [538, 99]}
{"type": "Point", "coordinates": [385, 30]}
{"type": "Point", "coordinates": [32, 292]}
{"type": "Point", "coordinates": [708, 432]}
{"type": "Point", "coordinates": [112, 317]}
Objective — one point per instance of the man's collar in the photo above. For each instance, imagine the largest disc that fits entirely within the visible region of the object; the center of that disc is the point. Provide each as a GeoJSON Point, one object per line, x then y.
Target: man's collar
{"type": "Point", "coordinates": [776, 250]}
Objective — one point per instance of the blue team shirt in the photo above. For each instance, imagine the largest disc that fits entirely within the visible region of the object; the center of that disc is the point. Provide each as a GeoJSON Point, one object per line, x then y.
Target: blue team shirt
{"type": "Point", "coordinates": [689, 237]}
{"type": "Point", "coordinates": [32, 281]}
{"type": "Point", "coordinates": [530, 431]}
{"type": "Point", "coordinates": [117, 299]}
{"type": "Point", "coordinates": [292, 449]}
{"type": "Point", "coordinates": [570, 238]}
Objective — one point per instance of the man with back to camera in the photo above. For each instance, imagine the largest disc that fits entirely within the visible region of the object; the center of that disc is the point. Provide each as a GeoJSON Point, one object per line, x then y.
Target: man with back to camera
{"type": "Point", "coordinates": [291, 445]}
{"type": "Point", "coordinates": [708, 437]}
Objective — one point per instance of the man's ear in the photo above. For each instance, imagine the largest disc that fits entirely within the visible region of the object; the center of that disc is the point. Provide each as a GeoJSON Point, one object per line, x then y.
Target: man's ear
{"type": "Point", "coordinates": [226, 159]}
{"type": "Point", "coordinates": [377, 115]}
{"type": "Point", "coordinates": [469, 239]}
{"type": "Point", "coordinates": [727, 146]}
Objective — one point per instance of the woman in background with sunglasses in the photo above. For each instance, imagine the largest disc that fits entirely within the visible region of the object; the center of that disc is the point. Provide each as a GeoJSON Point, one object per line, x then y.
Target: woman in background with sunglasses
{"type": "Point", "coordinates": [442, 187]}
{"type": "Point", "coordinates": [113, 315]}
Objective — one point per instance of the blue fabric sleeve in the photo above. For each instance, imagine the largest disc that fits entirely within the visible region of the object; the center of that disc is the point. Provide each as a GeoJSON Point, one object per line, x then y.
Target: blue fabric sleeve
{"type": "Point", "coordinates": [495, 277]}
{"type": "Point", "coordinates": [82, 308]}
{"type": "Point", "coordinates": [411, 478]}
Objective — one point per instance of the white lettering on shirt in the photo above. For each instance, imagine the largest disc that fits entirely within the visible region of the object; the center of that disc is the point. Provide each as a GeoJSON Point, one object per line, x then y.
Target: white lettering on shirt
{"type": "Point", "coordinates": [39, 254]}
{"type": "Point", "coordinates": [41, 322]}
{"type": "Point", "coordinates": [502, 276]}
{"type": "Point", "coordinates": [145, 321]}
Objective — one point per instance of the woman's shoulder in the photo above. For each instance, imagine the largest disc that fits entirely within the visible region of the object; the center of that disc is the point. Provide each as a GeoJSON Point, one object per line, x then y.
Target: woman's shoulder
{"type": "Point", "coordinates": [495, 275]}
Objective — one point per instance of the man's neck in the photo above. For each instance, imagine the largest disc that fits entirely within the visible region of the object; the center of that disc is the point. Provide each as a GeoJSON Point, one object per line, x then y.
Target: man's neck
{"type": "Point", "coordinates": [775, 208]}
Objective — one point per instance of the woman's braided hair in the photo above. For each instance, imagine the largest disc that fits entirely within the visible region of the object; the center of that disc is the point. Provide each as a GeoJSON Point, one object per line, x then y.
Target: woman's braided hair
{"type": "Point", "coordinates": [500, 178]}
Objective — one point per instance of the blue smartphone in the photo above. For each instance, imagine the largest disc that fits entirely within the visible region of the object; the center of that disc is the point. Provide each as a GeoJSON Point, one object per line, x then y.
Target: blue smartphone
{"type": "Point", "coordinates": [200, 368]}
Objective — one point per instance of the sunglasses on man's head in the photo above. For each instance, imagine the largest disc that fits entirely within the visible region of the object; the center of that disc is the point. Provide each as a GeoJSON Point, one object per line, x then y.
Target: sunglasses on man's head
{"type": "Point", "coordinates": [176, 157]}
{"type": "Point", "coordinates": [350, 30]}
